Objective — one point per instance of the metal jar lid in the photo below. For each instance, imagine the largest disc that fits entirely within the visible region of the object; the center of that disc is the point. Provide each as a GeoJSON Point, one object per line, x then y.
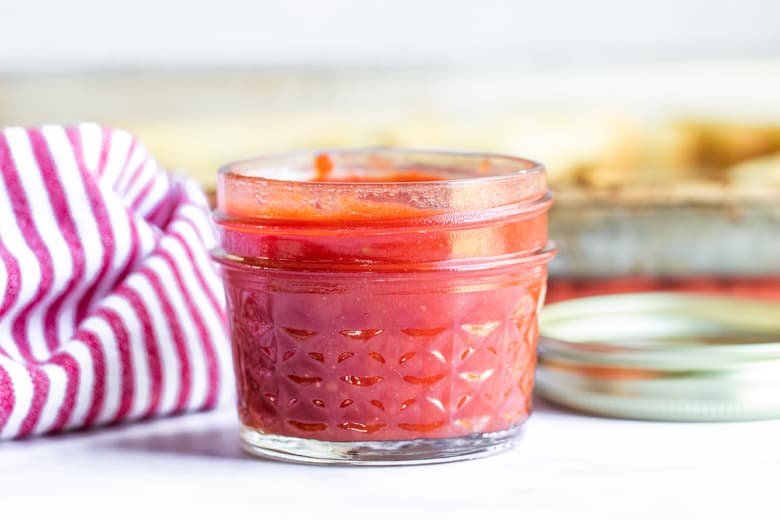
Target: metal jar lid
{"type": "Point", "coordinates": [662, 356]}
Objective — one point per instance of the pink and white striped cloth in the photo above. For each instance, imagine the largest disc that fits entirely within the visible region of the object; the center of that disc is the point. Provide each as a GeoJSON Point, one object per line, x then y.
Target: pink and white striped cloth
{"type": "Point", "coordinates": [110, 308]}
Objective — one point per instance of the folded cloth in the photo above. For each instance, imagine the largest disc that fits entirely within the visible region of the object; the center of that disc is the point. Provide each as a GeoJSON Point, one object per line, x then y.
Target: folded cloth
{"type": "Point", "coordinates": [110, 308]}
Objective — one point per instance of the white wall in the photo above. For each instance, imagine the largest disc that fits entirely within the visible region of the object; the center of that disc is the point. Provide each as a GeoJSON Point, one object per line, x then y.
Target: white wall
{"type": "Point", "coordinates": [67, 34]}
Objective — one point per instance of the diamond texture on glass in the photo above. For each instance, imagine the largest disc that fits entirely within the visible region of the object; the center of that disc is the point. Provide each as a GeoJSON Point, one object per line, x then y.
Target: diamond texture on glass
{"type": "Point", "coordinates": [384, 366]}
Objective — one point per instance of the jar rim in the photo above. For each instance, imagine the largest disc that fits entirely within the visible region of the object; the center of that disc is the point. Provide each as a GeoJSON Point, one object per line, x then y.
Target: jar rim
{"type": "Point", "coordinates": [524, 167]}
{"type": "Point", "coordinates": [466, 216]}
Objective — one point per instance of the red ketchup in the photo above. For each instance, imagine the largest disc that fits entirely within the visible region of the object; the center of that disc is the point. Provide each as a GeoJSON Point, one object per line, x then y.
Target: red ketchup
{"type": "Point", "coordinates": [383, 295]}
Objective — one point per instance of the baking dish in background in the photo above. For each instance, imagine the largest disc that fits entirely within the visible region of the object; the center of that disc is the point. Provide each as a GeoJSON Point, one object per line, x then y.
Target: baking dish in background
{"type": "Point", "coordinates": [666, 170]}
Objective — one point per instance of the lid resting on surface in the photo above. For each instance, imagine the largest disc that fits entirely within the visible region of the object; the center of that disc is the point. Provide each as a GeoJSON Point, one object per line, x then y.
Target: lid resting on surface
{"type": "Point", "coordinates": [662, 356]}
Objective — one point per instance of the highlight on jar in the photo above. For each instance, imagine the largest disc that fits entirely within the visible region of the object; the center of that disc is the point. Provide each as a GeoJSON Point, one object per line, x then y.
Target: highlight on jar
{"type": "Point", "coordinates": [383, 303]}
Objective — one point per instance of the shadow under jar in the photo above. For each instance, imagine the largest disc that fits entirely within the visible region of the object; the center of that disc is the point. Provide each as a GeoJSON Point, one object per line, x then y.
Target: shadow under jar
{"type": "Point", "coordinates": [383, 303]}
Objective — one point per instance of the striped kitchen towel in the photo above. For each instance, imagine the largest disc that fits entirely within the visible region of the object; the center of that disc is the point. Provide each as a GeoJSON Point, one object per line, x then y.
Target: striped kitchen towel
{"type": "Point", "coordinates": [110, 308]}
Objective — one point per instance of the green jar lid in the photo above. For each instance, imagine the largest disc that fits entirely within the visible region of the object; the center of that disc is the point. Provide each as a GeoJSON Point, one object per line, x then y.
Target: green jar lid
{"type": "Point", "coordinates": [662, 356]}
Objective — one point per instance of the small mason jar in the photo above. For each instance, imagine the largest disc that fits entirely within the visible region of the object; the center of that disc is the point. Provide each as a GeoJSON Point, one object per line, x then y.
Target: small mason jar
{"type": "Point", "coordinates": [383, 303]}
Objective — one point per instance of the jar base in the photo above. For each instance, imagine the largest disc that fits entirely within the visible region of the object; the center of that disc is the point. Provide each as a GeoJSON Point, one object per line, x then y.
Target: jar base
{"type": "Point", "coordinates": [378, 453]}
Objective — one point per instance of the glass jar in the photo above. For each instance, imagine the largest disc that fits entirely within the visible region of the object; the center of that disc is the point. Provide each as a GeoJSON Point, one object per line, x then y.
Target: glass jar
{"type": "Point", "coordinates": [383, 303]}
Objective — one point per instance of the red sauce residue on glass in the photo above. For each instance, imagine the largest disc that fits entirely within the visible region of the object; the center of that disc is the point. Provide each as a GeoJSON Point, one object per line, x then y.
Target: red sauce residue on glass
{"type": "Point", "coordinates": [324, 167]}
{"type": "Point", "coordinates": [397, 176]}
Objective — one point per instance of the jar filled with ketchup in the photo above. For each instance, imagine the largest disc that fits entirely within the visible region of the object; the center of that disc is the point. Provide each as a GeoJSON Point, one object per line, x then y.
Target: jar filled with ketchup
{"type": "Point", "coordinates": [383, 303]}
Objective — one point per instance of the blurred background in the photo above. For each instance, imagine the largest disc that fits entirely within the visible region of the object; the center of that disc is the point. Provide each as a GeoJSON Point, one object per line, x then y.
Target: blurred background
{"type": "Point", "coordinates": [659, 121]}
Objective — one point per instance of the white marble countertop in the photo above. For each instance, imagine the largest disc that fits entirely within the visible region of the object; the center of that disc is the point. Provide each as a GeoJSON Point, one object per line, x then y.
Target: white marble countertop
{"type": "Point", "coordinates": [566, 466]}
